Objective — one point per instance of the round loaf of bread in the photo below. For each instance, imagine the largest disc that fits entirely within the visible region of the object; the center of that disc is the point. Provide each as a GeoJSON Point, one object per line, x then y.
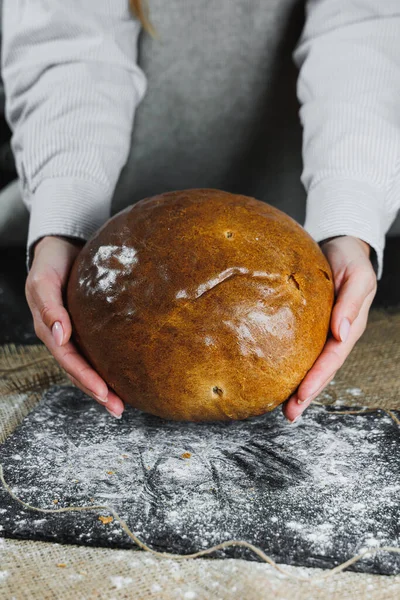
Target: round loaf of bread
{"type": "Point", "coordinates": [201, 305]}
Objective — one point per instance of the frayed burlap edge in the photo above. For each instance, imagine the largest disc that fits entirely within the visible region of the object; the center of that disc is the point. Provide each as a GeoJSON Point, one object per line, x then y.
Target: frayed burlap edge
{"type": "Point", "coordinates": [25, 373]}
{"type": "Point", "coordinates": [41, 570]}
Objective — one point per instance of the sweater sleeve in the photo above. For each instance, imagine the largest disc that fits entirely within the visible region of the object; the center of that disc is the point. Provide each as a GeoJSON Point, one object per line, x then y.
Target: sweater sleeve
{"type": "Point", "coordinates": [72, 85]}
{"type": "Point", "coordinates": [349, 90]}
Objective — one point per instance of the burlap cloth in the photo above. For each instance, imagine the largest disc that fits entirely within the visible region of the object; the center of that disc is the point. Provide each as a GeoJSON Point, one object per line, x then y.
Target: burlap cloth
{"type": "Point", "coordinates": [37, 570]}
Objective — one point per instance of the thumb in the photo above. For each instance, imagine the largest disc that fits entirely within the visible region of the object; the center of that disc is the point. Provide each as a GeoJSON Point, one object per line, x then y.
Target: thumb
{"type": "Point", "coordinates": [354, 290]}
{"type": "Point", "coordinates": [47, 306]}
{"type": "Point", "coordinates": [44, 289]}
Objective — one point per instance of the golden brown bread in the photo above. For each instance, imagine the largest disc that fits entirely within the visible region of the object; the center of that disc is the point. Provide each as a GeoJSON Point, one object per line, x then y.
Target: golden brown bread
{"type": "Point", "coordinates": [201, 305]}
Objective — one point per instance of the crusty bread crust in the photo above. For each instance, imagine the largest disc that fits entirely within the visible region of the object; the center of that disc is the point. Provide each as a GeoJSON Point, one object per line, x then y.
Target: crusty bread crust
{"type": "Point", "coordinates": [201, 305]}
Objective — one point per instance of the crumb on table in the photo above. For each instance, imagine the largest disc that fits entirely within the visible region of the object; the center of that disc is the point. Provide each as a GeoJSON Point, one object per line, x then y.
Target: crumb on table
{"type": "Point", "coordinates": [105, 520]}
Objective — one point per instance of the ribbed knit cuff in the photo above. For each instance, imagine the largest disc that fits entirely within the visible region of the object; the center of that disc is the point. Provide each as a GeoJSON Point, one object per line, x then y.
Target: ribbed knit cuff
{"type": "Point", "coordinates": [348, 207]}
{"type": "Point", "coordinates": [69, 207]}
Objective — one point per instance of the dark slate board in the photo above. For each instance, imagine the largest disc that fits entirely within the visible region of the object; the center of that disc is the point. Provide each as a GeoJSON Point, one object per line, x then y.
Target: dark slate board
{"type": "Point", "coordinates": [311, 494]}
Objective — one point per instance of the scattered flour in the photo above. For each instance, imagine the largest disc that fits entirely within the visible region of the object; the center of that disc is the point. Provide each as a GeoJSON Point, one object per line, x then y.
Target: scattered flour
{"type": "Point", "coordinates": [313, 493]}
{"type": "Point", "coordinates": [120, 582]}
{"type": "Point", "coordinates": [108, 263]}
{"type": "Point", "coordinates": [354, 391]}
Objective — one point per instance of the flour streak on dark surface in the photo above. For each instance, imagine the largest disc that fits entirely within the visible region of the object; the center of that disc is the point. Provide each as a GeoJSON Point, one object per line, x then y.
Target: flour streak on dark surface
{"type": "Point", "coordinates": [311, 494]}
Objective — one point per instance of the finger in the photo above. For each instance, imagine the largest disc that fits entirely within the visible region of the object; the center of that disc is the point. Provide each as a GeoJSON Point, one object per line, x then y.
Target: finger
{"type": "Point", "coordinates": [293, 410]}
{"type": "Point", "coordinates": [86, 390]}
{"type": "Point", "coordinates": [76, 366]}
{"type": "Point", "coordinates": [112, 403]}
{"type": "Point", "coordinates": [71, 361]}
{"type": "Point", "coordinates": [325, 367]}
{"type": "Point", "coordinates": [45, 298]}
{"type": "Point", "coordinates": [352, 295]}
{"type": "Point", "coordinates": [334, 354]}
{"type": "Point", "coordinates": [86, 378]}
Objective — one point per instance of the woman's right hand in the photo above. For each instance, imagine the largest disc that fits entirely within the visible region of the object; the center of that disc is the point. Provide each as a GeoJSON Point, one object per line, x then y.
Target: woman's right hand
{"type": "Point", "coordinates": [46, 282]}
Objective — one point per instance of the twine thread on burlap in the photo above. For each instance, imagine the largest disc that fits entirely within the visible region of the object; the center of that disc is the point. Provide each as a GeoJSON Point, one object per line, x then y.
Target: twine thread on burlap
{"type": "Point", "coordinates": [379, 341]}
{"type": "Point", "coordinates": [207, 551]}
{"type": "Point", "coordinates": [360, 411]}
{"type": "Point", "coordinates": [27, 365]}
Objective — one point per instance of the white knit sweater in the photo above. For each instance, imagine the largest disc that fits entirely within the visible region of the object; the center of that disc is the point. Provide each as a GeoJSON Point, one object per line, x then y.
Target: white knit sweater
{"type": "Point", "coordinates": [218, 108]}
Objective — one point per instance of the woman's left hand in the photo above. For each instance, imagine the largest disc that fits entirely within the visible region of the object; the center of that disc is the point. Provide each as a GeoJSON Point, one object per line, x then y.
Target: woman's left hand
{"type": "Point", "coordinates": [355, 288]}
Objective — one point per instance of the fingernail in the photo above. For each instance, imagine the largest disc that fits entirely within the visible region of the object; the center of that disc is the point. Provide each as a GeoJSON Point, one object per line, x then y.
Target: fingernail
{"type": "Point", "coordinates": [57, 333]}
{"type": "Point", "coordinates": [303, 401]}
{"type": "Point", "coordinates": [296, 419]}
{"type": "Point", "coordinates": [113, 414]}
{"type": "Point", "coordinates": [344, 329]}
